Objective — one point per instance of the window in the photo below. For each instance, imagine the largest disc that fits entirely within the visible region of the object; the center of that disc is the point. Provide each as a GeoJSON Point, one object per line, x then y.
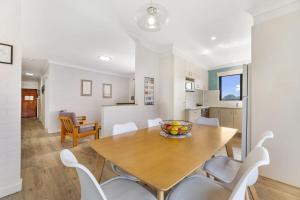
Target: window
{"type": "Point", "coordinates": [231, 87]}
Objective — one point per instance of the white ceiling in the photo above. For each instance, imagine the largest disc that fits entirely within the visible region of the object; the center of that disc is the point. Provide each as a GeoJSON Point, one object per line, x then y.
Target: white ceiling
{"type": "Point", "coordinates": [192, 23]}
{"type": "Point", "coordinates": [35, 67]}
{"type": "Point", "coordinates": [76, 32]}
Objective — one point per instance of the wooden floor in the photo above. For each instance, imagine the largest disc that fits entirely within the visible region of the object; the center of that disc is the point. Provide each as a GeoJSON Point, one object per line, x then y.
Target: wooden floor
{"type": "Point", "coordinates": [44, 177]}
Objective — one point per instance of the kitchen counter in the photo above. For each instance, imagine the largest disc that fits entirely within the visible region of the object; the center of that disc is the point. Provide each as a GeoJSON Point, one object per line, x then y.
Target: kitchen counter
{"type": "Point", "coordinates": [226, 107]}
{"type": "Point", "coordinates": [197, 107]}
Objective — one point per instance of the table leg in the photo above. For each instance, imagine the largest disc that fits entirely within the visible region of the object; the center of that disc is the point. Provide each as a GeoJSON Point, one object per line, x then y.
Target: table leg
{"type": "Point", "coordinates": [253, 192]}
{"type": "Point", "coordinates": [160, 195]}
{"type": "Point", "coordinates": [100, 163]}
{"type": "Point", "coordinates": [229, 150]}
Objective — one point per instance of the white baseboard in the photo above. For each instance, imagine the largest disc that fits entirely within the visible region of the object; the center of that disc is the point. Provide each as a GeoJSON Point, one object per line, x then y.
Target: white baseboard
{"type": "Point", "coordinates": [11, 189]}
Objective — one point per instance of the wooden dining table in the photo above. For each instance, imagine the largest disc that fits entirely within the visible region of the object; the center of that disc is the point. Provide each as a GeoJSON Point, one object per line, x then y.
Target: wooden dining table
{"type": "Point", "coordinates": [163, 162]}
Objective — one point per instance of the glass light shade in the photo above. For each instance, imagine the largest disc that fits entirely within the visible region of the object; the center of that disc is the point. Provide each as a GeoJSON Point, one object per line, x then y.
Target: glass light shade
{"type": "Point", "coordinates": [152, 17]}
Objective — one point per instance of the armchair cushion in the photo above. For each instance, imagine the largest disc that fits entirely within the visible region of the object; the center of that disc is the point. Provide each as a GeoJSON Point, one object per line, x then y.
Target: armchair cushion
{"type": "Point", "coordinates": [86, 128]}
{"type": "Point", "coordinates": [71, 115]}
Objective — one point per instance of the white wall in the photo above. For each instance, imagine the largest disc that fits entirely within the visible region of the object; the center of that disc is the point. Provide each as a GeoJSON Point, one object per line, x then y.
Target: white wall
{"type": "Point", "coordinates": [166, 91]}
{"type": "Point", "coordinates": [179, 105]}
{"type": "Point", "coordinates": [30, 85]}
{"type": "Point", "coordinates": [146, 65]}
{"type": "Point", "coordinates": [64, 89]}
{"type": "Point", "coordinates": [10, 104]}
{"type": "Point", "coordinates": [275, 94]}
{"type": "Point", "coordinates": [131, 89]}
{"type": "Point", "coordinates": [173, 72]}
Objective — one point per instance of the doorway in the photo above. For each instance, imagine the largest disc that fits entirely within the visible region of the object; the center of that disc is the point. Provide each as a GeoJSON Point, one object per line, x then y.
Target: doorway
{"type": "Point", "coordinates": [29, 103]}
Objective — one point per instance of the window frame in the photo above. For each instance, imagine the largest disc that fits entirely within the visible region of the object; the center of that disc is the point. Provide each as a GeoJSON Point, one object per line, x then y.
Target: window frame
{"type": "Point", "coordinates": [241, 89]}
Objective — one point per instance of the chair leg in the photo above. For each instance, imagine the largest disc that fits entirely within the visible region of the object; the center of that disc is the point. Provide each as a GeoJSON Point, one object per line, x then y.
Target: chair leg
{"type": "Point", "coordinates": [207, 175]}
{"type": "Point", "coordinates": [229, 150]}
{"type": "Point", "coordinates": [62, 136]}
{"type": "Point", "coordinates": [253, 193]}
{"type": "Point", "coordinates": [97, 135]}
{"type": "Point", "coordinates": [75, 140]}
{"type": "Point", "coordinates": [247, 196]}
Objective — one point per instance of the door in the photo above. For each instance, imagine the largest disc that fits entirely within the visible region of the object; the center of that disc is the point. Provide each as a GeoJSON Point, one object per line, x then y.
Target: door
{"type": "Point", "coordinates": [29, 103]}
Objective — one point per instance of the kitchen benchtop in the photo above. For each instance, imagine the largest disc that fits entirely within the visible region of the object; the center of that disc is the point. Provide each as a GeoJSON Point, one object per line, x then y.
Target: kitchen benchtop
{"type": "Point", "coordinates": [197, 107]}
{"type": "Point", "coordinates": [201, 107]}
{"type": "Point", "coordinates": [232, 107]}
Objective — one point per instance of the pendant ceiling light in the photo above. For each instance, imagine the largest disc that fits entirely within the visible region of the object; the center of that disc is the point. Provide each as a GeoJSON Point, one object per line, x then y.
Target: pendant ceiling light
{"type": "Point", "coordinates": [152, 17]}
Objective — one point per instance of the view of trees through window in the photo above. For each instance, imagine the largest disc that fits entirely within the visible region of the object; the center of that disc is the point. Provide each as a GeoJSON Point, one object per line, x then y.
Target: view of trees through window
{"type": "Point", "coordinates": [231, 87]}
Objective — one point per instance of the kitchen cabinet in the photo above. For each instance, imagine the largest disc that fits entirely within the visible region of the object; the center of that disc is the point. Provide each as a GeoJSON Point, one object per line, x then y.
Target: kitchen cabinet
{"type": "Point", "coordinates": [193, 114]}
{"type": "Point", "coordinates": [189, 71]}
{"type": "Point", "coordinates": [228, 117]}
{"type": "Point", "coordinates": [214, 113]}
{"type": "Point", "coordinates": [238, 119]}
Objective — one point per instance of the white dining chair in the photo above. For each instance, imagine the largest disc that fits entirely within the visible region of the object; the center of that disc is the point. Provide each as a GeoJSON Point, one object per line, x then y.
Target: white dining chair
{"type": "Point", "coordinates": [154, 122]}
{"type": "Point", "coordinates": [199, 187]}
{"type": "Point", "coordinates": [208, 121]}
{"type": "Point", "coordinates": [117, 130]}
{"type": "Point", "coordinates": [119, 188]}
{"type": "Point", "coordinates": [224, 168]}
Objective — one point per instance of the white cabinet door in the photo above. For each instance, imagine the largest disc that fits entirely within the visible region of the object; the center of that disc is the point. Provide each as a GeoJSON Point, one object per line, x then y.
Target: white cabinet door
{"type": "Point", "coordinates": [238, 119]}
{"type": "Point", "coordinates": [227, 118]}
{"type": "Point", "coordinates": [214, 113]}
{"type": "Point", "coordinates": [193, 115]}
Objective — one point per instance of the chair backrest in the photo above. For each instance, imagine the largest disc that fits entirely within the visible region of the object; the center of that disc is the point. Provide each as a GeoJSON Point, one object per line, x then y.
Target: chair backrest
{"type": "Point", "coordinates": [208, 121]}
{"type": "Point", "coordinates": [90, 188]}
{"type": "Point", "coordinates": [124, 128]}
{"type": "Point", "coordinates": [154, 122]}
{"type": "Point", "coordinates": [266, 135]}
{"type": "Point", "coordinates": [72, 115]}
{"type": "Point", "coordinates": [248, 172]}
{"type": "Point", "coordinates": [67, 123]}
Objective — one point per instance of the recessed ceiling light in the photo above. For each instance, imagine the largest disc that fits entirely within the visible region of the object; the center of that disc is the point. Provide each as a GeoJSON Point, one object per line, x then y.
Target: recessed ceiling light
{"type": "Point", "coordinates": [205, 52]}
{"type": "Point", "coordinates": [213, 38]}
{"type": "Point", "coordinates": [105, 58]}
{"type": "Point", "coordinates": [29, 74]}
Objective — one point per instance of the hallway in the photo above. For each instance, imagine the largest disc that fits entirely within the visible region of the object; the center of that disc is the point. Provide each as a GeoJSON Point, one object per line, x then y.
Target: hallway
{"type": "Point", "coordinates": [44, 177]}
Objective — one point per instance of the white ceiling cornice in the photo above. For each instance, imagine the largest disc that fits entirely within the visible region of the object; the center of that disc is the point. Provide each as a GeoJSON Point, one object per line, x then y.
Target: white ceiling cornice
{"type": "Point", "coordinates": [189, 58]}
{"type": "Point", "coordinates": [234, 64]}
{"type": "Point", "coordinates": [267, 12]}
{"type": "Point", "coordinates": [88, 69]}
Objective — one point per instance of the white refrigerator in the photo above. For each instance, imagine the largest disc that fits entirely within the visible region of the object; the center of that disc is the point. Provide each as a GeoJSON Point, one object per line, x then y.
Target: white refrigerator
{"type": "Point", "coordinates": [246, 113]}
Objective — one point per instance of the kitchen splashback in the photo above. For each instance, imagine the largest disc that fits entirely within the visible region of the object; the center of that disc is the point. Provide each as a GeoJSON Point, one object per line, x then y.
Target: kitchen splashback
{"type": "Point", "coordinates": [193, 98]}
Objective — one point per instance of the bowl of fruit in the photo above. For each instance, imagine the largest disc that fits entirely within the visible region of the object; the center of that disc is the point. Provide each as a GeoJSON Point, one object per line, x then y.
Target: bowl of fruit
{"type": "Point", "coordinates": [176, 127]}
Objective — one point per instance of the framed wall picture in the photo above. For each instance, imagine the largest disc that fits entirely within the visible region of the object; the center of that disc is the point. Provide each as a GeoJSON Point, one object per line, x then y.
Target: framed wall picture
{"type": "Point", "coordinates": [6, 53]}
{"type": "Point", "coordinates": [149, 91]}
{"type": "Point", "coordinates": [107, 90]}
{"type": "Point", "coordinates": [86, 87]}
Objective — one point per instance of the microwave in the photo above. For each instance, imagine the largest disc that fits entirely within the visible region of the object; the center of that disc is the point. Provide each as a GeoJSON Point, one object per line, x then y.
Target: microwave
{"type": "Point", "coordinates": [189, 86]}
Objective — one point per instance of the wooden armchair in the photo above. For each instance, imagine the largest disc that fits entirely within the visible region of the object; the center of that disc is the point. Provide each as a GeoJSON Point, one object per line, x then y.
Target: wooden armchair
{"type": "Point", "coordinates": [81, 119]}
{"type": "Point", "coordinates": [77, 130]}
